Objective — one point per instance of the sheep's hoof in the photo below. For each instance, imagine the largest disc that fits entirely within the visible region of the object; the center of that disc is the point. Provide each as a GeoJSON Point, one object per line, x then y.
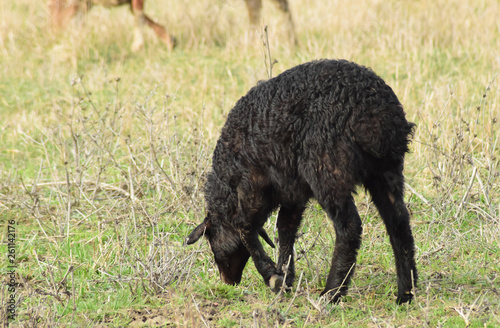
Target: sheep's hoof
{"type": "Point", "coordinates": [333, 295]}
{"type": "Point", "coordinates": [276, 282]}
{"type": "Point", "coordinates": [404, 298]}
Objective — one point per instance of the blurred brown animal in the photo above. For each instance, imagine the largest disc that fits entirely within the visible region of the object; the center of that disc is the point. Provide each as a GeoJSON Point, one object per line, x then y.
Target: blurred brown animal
{"type": "Point", "coordinates": [255, 8]}
{"type": "Point", "coordinates": [63, 10]}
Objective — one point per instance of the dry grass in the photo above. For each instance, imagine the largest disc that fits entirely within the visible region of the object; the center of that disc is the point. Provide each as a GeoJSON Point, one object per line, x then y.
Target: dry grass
{"type": "Point", "coordinates": [103, 155]}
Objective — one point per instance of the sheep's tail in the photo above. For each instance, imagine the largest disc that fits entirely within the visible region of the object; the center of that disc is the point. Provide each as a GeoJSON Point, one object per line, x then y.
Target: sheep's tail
{"type": "Point", "coordinates": [387, 134]}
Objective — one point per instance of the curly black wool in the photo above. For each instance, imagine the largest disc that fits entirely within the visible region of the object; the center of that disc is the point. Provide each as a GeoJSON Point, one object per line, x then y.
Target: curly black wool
{"type": "Point", "coordinates": [317, 131]}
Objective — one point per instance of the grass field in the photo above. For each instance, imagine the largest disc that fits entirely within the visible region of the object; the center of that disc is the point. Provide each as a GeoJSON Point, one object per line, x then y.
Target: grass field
{"type": "Point", "coordinates": [103, 154]}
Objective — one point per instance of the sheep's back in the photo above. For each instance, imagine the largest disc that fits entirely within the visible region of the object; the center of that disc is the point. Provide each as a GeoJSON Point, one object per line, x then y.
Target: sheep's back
{"type": "Point", "coordinates": [312, 107]}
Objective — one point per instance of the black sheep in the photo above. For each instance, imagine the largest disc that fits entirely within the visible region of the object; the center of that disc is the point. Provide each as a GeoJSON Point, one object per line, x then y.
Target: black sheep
{"type": "Point", "coordinates": [316, 130]}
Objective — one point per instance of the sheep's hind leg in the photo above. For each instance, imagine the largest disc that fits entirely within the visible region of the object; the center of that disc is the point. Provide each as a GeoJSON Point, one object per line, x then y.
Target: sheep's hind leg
{"type": "Point", "coordinates": [289, 219]}
{"type": "Point", "coordinates": [348, 231]}
{"type": "Point", "coordinates": [387, 194]}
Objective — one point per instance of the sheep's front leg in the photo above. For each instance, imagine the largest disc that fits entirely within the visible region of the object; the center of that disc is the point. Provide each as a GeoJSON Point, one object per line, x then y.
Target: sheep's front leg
{"type": "Point", "coordinates": [288, 224]}
{"type": "Point", "coordinates": [264, 264]}
{"type": "Point", "coordinates": [348, 231]}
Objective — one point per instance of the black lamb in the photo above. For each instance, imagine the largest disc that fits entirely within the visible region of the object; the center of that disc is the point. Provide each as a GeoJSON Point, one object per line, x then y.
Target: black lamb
{"type": "Point", "coordinates": [317, 130]}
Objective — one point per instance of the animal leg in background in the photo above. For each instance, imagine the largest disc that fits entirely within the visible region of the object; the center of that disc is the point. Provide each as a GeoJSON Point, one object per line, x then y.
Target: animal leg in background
{"type": "Point", "coordinates": [283, 5]}
{"type": "Point", "coordinates": [141, 19]}
{"type": "Point", "coordinates": [255, 8]}
{"type": "Point", "coordinates": [61, 11]}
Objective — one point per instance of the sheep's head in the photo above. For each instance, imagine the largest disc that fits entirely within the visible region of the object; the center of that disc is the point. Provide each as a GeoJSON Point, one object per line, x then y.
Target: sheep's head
{"type": "Point", "coordinates": [230, 254]}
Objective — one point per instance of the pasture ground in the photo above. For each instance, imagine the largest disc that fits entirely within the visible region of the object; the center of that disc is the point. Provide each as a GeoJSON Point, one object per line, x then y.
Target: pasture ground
{"type": "Point", "coordinates": [103, 154]}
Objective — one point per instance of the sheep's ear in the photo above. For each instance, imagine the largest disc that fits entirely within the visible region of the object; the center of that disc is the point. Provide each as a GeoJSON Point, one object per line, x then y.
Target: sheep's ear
{"type": "Point", "coordinates": [264, 236]}
{"type": "Point", "coordinates": [197, 232]}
